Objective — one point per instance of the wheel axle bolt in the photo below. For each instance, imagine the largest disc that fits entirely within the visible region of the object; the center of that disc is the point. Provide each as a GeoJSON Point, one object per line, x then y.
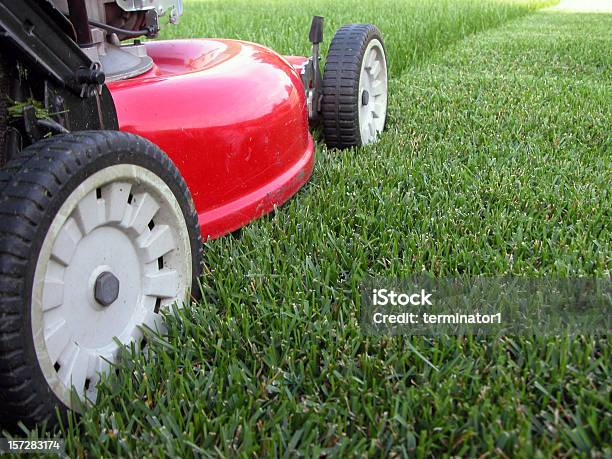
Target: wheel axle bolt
{"type": "Point", "coordinates": [365, 98]}
{"type": "Point", "coordinates": [106, 289]}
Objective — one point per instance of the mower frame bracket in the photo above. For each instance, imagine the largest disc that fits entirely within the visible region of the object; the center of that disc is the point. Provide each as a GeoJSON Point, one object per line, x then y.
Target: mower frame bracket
{"type": "Point", "coordinates": [26, 26]}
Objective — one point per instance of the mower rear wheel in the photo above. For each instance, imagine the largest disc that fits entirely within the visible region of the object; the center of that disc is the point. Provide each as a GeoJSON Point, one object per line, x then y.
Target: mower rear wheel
{"type": "Point", "coordinates": [98, 233]}
{"type": "Point", "coordinates": [354, 107]}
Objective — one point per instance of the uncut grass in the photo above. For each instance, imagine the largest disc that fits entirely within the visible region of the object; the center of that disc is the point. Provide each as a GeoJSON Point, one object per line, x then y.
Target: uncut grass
{"type": "Point", "coordinates": [496, 161]}
{"type": "Point", "coordinates": [412, 29]}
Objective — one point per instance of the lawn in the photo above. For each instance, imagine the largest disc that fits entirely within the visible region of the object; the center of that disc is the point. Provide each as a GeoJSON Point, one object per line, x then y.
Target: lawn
{"type": "Point", "coordinates": [496, 161]}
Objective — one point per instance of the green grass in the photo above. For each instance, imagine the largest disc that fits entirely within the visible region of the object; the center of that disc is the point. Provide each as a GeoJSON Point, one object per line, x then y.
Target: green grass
{"type": "Point", "coordinates": [413, 29]}
{"type": "Point", "coordinates": [496, 161]}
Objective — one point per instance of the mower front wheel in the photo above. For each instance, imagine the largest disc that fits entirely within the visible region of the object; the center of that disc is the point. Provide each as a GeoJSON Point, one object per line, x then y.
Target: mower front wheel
{"type": "Point", "coordinates": [354, 107]}
{"type": "Point", "coordinates": [98, 233]}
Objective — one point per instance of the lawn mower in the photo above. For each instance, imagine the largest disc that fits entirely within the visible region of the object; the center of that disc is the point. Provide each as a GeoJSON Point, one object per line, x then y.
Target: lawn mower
{"type": "Point", "coordinates": [120, 154]}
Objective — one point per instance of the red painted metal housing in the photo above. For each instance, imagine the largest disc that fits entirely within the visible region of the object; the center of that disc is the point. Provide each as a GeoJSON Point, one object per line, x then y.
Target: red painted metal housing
{"type": "Point", "coordinates": [232, 116]}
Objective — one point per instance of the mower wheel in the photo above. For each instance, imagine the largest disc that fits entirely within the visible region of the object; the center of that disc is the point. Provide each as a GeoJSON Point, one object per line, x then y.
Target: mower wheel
{"type": "Point", "coordinates": [354, 107]}
{"type": "Point", "coordinates": [98, 232]}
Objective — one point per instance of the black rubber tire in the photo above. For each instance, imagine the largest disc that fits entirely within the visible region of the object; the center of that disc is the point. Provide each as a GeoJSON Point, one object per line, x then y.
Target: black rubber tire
{"type": "Point", "coordinates": [340, 106]}
{"type": "Point", "coordinates": [33, 186]}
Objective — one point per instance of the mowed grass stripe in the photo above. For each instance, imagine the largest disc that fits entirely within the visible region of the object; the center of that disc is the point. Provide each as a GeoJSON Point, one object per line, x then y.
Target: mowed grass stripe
{"type": "Point", "coordinates": [509, 140]}
{"type": "Point", "coordinates": [496, 161]}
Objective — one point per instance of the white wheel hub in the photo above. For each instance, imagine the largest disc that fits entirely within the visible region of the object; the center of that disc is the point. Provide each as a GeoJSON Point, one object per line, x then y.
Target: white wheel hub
{"type": "Point", "coordinates": [117, 251]}
{"type": "Point", "coordinates": [372, 92]}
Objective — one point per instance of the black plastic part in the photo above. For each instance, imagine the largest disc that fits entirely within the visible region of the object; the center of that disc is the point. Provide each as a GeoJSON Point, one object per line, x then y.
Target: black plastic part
{"type": "Point", "coordinates": [33, 186]}
{"type": "Point", "coordinates": [31, 123]}
{"type": "Point", "coordinates": [152, 21]}
{"type": "Point", "coordinates": [42, 62]}
{"type": "Point", "coordinates": [93, 76]}
{"type": "Point", "coordinates": [78, 17]}
{"type": "Point", "coordinates": [316, 30]}
{"type": "Point", "coordinates": [341, 98]}
{"type": "Point", "coordinates": [31, 32]}
{"type": "Point", "coordinates": [5, 141]}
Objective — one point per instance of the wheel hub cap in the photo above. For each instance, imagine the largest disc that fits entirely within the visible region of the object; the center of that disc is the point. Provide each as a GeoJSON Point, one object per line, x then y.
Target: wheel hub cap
{"type": "Point", "coordinates": [116, 253]}
{"type": "Point", "coordinates": [373, 90]}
